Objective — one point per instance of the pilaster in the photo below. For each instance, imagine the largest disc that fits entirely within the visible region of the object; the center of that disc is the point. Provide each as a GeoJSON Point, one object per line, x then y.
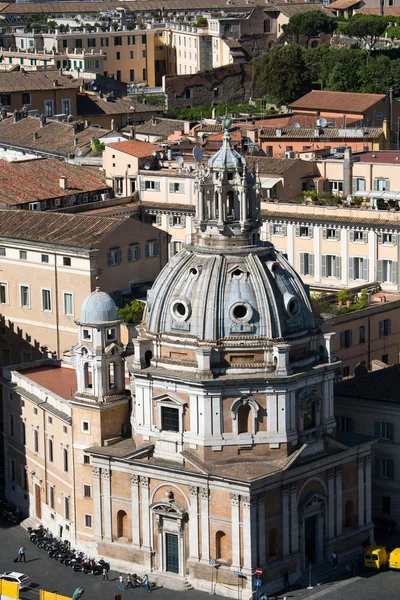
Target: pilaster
{"type": "Point", "coordinates": [331, 504]}
{"type": "Point", "coordinates": [235, 531]}
{"type": "Point", "coordinates": [135, 509]}
{"type": "Point", "coordinates": [205, 525]}
{"type": "Point", "coordinates": [261, 530]}
{"type": "Point", "coordinates": [249, 532]}
{"type": "Point", "coordinates": [368, 490]}
{"type": "Point", "coordinates": [339, 517]}
{"type": "Point", "coordinates": [285, 521]}
{"type": "Point", "coordinates": [294, 519]}
{"type": "Point", "coordinates": [96, 503]}
{"type": "Point", "coordinates": [194, 524]}
{"type": "Point", "coordinates": [361, 491]}
{"type": "Point", "coordinates": [144, 484]}
{"type": "Point", "coordinates": [107, 520]}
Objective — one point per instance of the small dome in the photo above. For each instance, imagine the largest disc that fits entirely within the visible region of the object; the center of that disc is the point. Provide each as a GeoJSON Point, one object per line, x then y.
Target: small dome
{"type": "Point", "coordinates": [227, 157]}
{"type": "Point", "coordinates": [98, 308]}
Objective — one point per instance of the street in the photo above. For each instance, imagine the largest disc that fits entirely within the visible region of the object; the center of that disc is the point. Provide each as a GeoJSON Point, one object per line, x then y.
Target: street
{"type": "Point", "coordinates": [52, 576]}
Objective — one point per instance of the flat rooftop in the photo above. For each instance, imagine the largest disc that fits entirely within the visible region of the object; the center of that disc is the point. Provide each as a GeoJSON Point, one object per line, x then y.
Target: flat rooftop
{"type": "Point", "coordinates": [379, 156]}
{"type": "Point", "coordinates": [58, 380]}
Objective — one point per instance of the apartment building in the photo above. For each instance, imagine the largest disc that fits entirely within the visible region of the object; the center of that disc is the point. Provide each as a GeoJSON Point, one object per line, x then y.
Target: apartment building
{"type": "Point", "coordinates": [49, 93]}
{"type": "Point", "coordinates": [78, 63]}
{"type": "Point", "coordinates": [50, 261]}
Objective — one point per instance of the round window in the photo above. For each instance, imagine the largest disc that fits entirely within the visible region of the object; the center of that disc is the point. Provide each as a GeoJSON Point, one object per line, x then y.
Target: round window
{"type": "Point", "coordinates": [180, 310]}
{"type": "Point", "coordinates": [193, 272]}
{"type": "Point", "coordinates": [241, 312]}
{"type": "Point", "coordinates": [292, 305]}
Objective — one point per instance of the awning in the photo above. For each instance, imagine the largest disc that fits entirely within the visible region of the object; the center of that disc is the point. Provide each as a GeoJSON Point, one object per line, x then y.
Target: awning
{"type": "Point", "coordinates": [378, 194]}
{"type": "Point", "coordinates": [268, 184]}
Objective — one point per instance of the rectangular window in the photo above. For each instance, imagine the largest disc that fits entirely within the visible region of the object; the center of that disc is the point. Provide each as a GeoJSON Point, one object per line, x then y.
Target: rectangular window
{"type": "Point", "coordinates": [118, 55]}
{"type": "Point", "coordinates": [134, 253]}
{"type": "Point", "coordinates": [87, 491]}
{"type": "Point", "coordinates": [86, 459]}
{"type": "Point", "coordinates": [78, 43]}
{"type": "Point", "coordinates": [3, 293]}
{"type": "Point", "coordinates": [385, 468]}
{"type": "Point", "coordinates": [51, 450]}
{"type": "Point", "coordinates": [88, 521]}
{"type": "Point", "coordinates": [52, 496]}
{"type": "Point", "coordinates": [387, 271]}
{"type": "Point", "coordinates": [45, 258]}
{"type": "Point", "coordinates": [66, 261]}
{"type": "Point", "coordinates": [331, 266]}
{"type": "Point", "coordinates": [345, 424]}
{"type": "Point", "coordinates": [384, 430]}
{"type": "Point", "coordinates": [152, 249]}
{"type": "Point", "coordinates": [305, 232]}
{"type": "Point", "coordinates": [131, 40]}
{"type": "Point", "coordinates": [46, 300]}
{"type": "Point", "coordinates": [36, 441]}
{"type": "Point", "coordinates": [50, 420]}
{"type": "Point", "coordinates": [336, 187]}
{"type": "Point", "coordinates": [386, 508]}
{"type": "Point", "coordinates": [66, 106]}
{"type": "Point", "coordinates": [346, 338]}
{"type": "Point", "coordinates": [150, 185]}
{"type": "Point", "coordinates": [358, 268]}
{"type": "Point", "coordinates": [359, 236]}
{"type": "Point", "coordinates": [306, 264]}
{"type": "Point", "coordinates": [23, 432]}
{"type": "Point", "coordinates": [144, 74]}
{"type": "Point", "coordinates": [117, 40]}
{"type": "Point", "coordinates": [85, 427]}
{"type": "Point", "coordinates": [91, 42]}
{"type": "Point", "coordinates": [175, 247]}
{"type": "Point", "coordinates": [361, 334]}
{"type": "Point", "coordinates": [278, 229]}
{"type": "Point", "coordinates": [385, 327]}
{"type": "Point", "coordinates": [26, 98]}
{"type": "Point", "coordinates": [381, 185]}
{"type": "Point", "coordinates": [5, 99]}
{"type": "Point", "coordinates": [66, 507]}
{"type": "Point", "coordinates": [104, 42]}
{"type": "Point", "coordinates": [144, 54]}
{"type": "Point", "coordinates": [331, 234]}
{"type": "Point", "coordinates": [65, 459]}
{"type": "Point", "coordinates": [114, 257]}
{"type": "Point", "coordinates": [49, 108]}
{"type": "Point", "coordinates": [11, 424]}
{"type": "Point", "coordinates": [169, 419]}
{"type": "Point", "coordinates": [23, 255]}
{"type": "Point", "coordinates": [118, 185]}
{"type": "Point", "coordinates": [387, 238]}
{"type": "Point", "coordinates": [68, 304]}
{"type": "Point", "coordinates": [131, 74]}
{"type": "Point", "coordinates": [358, 184]}
{"type": "Point", "coordinates": [2, 251]}
{"type": "Point", "coordinates": [143, 39]}
{"type": "Point", "coordinates": [24, 295]}
{"type": "Point", "coordinates": [176, 188]}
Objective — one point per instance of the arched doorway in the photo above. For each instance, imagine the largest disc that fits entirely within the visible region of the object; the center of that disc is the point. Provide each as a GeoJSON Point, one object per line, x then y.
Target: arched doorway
{"type": "Point", "coordinates": [244, 419]}
{"type": "Point", "coordinates": [148, 355]}
{"type": "Point", "coordinates": [170, 522]}
{"type": "Point", "coordinates": [122, 524]}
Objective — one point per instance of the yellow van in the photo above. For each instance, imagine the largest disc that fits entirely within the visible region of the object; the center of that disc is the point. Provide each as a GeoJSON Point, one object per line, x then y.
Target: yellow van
{"type": "Point", "coordinates": [376, 557]}
{"type": "Point", "coordinates": [394, 561]}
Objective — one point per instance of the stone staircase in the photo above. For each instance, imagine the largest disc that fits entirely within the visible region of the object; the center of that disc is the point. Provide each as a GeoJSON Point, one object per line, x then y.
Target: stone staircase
{"type": "Point", "coordinates": [170, 581]}
{"type": "Point", "coordinates": [320, 574]}
{"type": "Point", "coordinates": [33, 522]}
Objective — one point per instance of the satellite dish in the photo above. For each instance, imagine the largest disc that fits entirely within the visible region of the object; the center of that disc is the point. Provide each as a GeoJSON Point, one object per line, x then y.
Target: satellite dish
{"type": "Point", "coordinates": [154, 153]}
{"type": "Point", "coordinates": [179, 160]}
{"type": "Point", "coordinates": [296, 125]}
{"type": "Point", "coordinates": [78, 152]}
{"type": "Point", "coordinates": [197, 154]}
{"type": "Point", "coordinates": [147, 166]}
{"type": "Point", "coordinates": [160, 155]}
{"type": "Point", "coordinates": [323, 122]}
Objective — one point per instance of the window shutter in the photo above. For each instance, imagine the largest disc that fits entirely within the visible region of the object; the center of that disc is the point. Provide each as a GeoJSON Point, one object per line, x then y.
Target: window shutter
{"type": "Point", "coordinates": [338, 269]}
{"type": "Point", "coordinates": [138, 252]}
{"type": "Point", "coordinates": [311, 264]}
{"type": "Point", "coordinates": [311, 232]}
{"type": "Point", "coordinates": [351, 268]}
{"type": "Point", "coordinates": [109, 259]}
{"type": "Point", "coordinates": [351, 235]}
{"type": "Point", "coordinates": [337, 234]}
{"type": "Point", "coordinates": [389, 327]}
{"type": "Point", "coordinates": [365, 236]}
{"type": "Point", "coordinates": [183, 221]}
{"type": "Point", "coordinates": [156, 248]}
{"type": "Point", "coordinates": [171, 220]}
{"type": "Point", "coordinates": [323, 266]}
{"type": "Point", "coordinates": [394, 239]}
{"type": "Point", "coordinates": [142, 186]}
{"type": "Point", "coordinates": [380, 238]}
{"type": "Point", "coordinates": [354, 185]}
{"type": "Point", "coordinates": [147, 251]}
{"type": "Point", "coordinates": [391, 431]}
{"type": "Point", "coordinates": [130, 255]}
{"type": "Point", "coordinates": [342, 339]}
{"type": "Point", "coordinates": [171, 249]}
{"type": "Point", "coordinates": [271, 230]}
{"type": "Point", "coordinates": [380, 329]}
{"type": "Point", "coordinates": [297, 231]}
{"type": "Point", "coordinates": [387, 185]}
{"type": "Point", "coordinates": [377, 429]}
{"type": "Point", "coordinates": [171, 187]}
{"type": "Point", "coordinates": [119, 257]}
{"type": "Point", "coordinates": [284, 229]}
{"type": "Point", "coordinates": [375, 185]}
{"type": "Point", "coordinates": [157, 186]}
{"type": "Point", "coordinates": [394, 272]}
{"type": "Point", "coordinates": [301, 263]}
{"type": "Point", "coordinates": [365, 269]}
{"type": "Point", "coordinates": [158, 220]}
{"type": "Point", "coordinates": [324, 231]}
{"type": "Point", "coordinates": [380, 271]}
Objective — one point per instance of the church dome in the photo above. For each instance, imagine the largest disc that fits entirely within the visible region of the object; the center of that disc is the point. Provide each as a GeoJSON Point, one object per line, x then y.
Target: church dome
{"type": "Point", "coordinates": [226, 157]}
{"type": "Point", "coordinates": [218, 296]}
{"type": "Point", "coordinates": [98, 308]}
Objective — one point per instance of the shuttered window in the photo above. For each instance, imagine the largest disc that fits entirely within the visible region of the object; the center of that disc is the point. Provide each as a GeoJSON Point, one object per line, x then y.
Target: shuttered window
{"type": "Point", "coordinates": [385, 328]}
{"type": "Point", "coordinates": [331, 266]}
{"type": "Point", "coordinates": [387, 271]}
{"type": "Point", "coordinates": [358, 268]}
{"type": "Point", "coordinates": [384, 430]}
{"type": "Point", "coordinates": [359, 236]}
{"type": "Point", "coordinates": [346, 338]}
{"type": "Point", "coordinates": [114, 257]}
{"type": "Point", "coordinates": [306, 263]}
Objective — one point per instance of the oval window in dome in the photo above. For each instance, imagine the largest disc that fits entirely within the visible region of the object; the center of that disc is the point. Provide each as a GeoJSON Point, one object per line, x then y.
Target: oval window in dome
{"type": "Point", "coordinates": [193, 272]}
{"type": "Point", "coordinates": [292, 305]}
{"type": "Point", "coordinates": [241, 312]}
{"type": "Point", "coordinates": [180, 309]}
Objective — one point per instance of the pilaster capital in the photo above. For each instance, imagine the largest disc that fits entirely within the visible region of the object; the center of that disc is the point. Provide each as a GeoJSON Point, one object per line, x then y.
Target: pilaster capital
{"type": "Point", "coordinates": [106, 474]}
{"type": "Point", "coordinates": [249, 501]}
{"type": "Point", "coordinates": [293, 489]}
{"type": "Point", "coordinates": [331, 473]}
{"type": "Point", "coordinates": [96, 472]}
{"type": "Point", "coordinates": [360, 462]}
{"type": "Point", "coordinates": [368, 460]}
{"type": "Point", "coordinates": [194, 492]}
{"type": "Point", "coordinates": [234, 499]}
{"type": "Point", "coordinates": [144, 482]}
{"type": "Point", "coordinates": [338, 471]}
{"type": "Point", "coordinates": [134, 480]}
{"type": "Point", "coordinates": [285, 490]}
{"type": "Point", "coordinates": [204, 493]}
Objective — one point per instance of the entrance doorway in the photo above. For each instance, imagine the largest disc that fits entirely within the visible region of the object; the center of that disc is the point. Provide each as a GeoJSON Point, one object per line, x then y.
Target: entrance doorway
{"type": "Point", "coordinates": [38, 501]}
{"type": "Point", "coordinates": [172, 553]}
{"type": "Point", "coordinates": [310, 540]}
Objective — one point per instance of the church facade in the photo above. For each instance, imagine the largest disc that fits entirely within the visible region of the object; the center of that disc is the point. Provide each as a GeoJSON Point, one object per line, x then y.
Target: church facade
{"type": "Point", "coordinates": [225, 456]}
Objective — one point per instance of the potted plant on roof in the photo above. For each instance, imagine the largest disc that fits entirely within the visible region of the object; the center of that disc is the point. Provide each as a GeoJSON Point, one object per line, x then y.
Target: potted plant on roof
{"type": "Point", "coordinates": [342, 297]}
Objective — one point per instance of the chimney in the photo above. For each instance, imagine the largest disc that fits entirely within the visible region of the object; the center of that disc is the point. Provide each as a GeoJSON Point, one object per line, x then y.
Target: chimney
{"type": "Point", "coordinates": [112, 124]}
{"type": "Point", "coordinates": [15, 116]}
{"type": "Point", "coordinates": [55, 83]}
{"type": "Point", "coordinates": [75, 141]}
{"type": "Point", "coordinates": [132, 134]}
{"type": "Point", "coordinates": [75, 128]}
{"type": "Point", "coordinates": [347, 173]}
{"type": "Point", "coordinates": [154, 121]}
{"type": "Point", "coordinates": [87, 123]}
{"type": "Point", "coordinates": [35, 135]}
{"type": "Point", "coordinates": [63, 182]}
{"type": "Point", "coordinates": [42, 121]}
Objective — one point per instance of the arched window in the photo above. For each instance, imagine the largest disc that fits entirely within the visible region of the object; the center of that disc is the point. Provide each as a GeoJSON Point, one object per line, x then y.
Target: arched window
{"type": "Point", "coordinates": [267, 26]}
{"type": "Point", "coordinates": [230, 204]}
{"type": "Point", "coordinates": [314, 43]}
{"type": "Point", "coordinates": [122, 524]}
{"type": "Point", "coordinates": [221, 546]}
{"type": "Point", "coordinates": [244, 419]}
{"type": "Point", "coordinates": [111, 376]}
{"type": "Point", "coordinates": [87, 376]}
{"type": "Point", "coordinates": [148, 355]}
{"type": "Point", "coordinates": [273, 542]}
{"type": "Point", "coordinates": [349, 513]}
{"type": "Point", "coordinates": [310, 409]}
{"type": "Point", "coordinates": [216, 206]}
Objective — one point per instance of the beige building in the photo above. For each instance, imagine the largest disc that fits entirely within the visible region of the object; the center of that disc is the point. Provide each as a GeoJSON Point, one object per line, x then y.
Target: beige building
{"type": "Point", "coordinates": [50, 262]}
{"type": "Point", "coordinates": [78, 63]}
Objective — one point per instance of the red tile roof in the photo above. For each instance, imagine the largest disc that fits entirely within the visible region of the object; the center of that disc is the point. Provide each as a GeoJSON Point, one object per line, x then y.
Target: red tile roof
{"type": "Point", "coordinates": [136, 148]}
{"type": "Point", "coordinates": [39, 179]}
{"type": "Point", "coordinates": [337, 101]}
{"type": "Point", "coordinates": [343, 4]}
{"type": "Point", "coordinates": [59, 380]}
{"type": "Point", "coordinates": [31, 81]}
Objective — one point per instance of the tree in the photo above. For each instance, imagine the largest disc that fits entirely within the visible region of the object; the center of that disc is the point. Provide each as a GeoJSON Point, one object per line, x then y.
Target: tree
{"type": "Point", "coordinates": [282, 73]}
{"type": "Point", "coordinates": [378, 76]}
{"type": "Point", "coordinates": [97, 147]}
{"type": "Point", "coordinates": [309, 24]}
{"type": "Point", "coordinates": [132, 313]}
{"type": "Point", "coordinates": [346, 70]}
{"type": "Point", "coordinates": [367, 28]}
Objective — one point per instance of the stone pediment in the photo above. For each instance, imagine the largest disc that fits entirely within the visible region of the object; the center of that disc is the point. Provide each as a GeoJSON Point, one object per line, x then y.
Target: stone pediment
{"type": "Point", "coordinates": [112, 349]}
{"type": "Point", "coordinates": [313, 502]}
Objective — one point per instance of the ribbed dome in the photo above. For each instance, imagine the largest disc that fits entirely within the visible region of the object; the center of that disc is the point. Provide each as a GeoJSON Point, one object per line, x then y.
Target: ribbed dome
{"type": "Point", "coordinates": [226, 157]}
{"type": "Point", "coordinates": [98, 308]}
{"type": "Point", "coordinates": [214, 296]}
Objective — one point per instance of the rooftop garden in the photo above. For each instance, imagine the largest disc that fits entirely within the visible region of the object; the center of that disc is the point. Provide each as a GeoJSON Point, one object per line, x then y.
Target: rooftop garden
{"type": "Point", "coordinates": [344, 302]}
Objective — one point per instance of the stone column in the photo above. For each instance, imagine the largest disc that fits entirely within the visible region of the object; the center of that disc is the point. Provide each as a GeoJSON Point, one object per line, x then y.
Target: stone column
{"type": "Point", "coordinates": [193, 524]}
{"type": "Point", "coordinates": [261, 530]}
{"type": "Point", "coordinates": [368, 490]}
{"type": "Point", "coordinates": [205, 526]}
{"type": "Point", "coordinates": [96, 502]}
{"type": "Point", "coordinates": [339, 501]}
{"type": "Point", "coordinates": [317, 254]}
{"type": "Point", "coordinates": [294, 519]}
{"type": "Point", "coordinates": [135, 509]}
{"type": "Point", "coordinates": [331, 504]}
{"type": "Point", "coordinates": [285, 521]}
{"type": "Point", "coordinates": [361, 491]}
{"type": "Point", "coordinates": [144, 483]}
{"type": "Point", "coordinates": [249, 532]}
{"type": "Point", "coordinates": [235, 531]}
{"type": "Point", "coordinates": [107, 505]}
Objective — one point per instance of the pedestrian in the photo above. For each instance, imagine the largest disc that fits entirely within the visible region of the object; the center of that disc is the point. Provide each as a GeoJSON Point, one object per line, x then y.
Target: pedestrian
{"type": "Point", "coordinates": [129, 583]}
{"type": "Point", "coordinates": [121, 582]}
{"type": "Point", "coordinates": [135, 580]}
{"type": "Point", "coordinates": [360, 560]}
{"type": "Point", "coordinates": [286, 582]}
{"type": "Point", "coordinates": [105, 574]}
{"type": "Point", "coordinates": [347, 570]}
{"type": "Point", "coordinates": [21, 554]}
{"type": "Point", "coordinates": [146, 584]}
{"type": "Point", "coordinates": [334, 559]}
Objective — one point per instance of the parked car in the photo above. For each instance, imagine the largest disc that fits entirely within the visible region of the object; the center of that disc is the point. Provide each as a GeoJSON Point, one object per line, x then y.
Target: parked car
{"type": "Point", "coordinates": [23, 580]}
{"type": "Point", "coordinates": [376, 557]}
{"type": "Point", "coordinates": [394, 560]}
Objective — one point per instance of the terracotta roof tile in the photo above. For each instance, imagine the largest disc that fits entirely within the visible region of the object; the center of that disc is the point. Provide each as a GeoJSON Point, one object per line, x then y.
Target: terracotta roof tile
{"type": "Point", "coordinates": [30, 81]}
{"type": "Point", "coordinates": [379, 386]}
{"type": "Point", "coordinates": [39, 179]}
{"type": "Point", "coordinates": [91, 105]}
{"type": "Point", "coordinates": [273, 166]}
{"type": "Point", "coordinates": [62, 229]}
{"type": "Point", "coordinates": [342, 220]}
{"type": "Point", "coordinates": [160, 127]}
{"type": "Point", "coordinates": [388, 11]}
{"type": "Point", "coordinates": [293, 8]}
{"type": "Point", "coordinates": [343, 4]}
{"type": "Point", "coordinates": [324, 134]}
{"type": "Point", "coordinates": [136, 148]}
{"type": "Point", "coordinates": [338, 101]}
